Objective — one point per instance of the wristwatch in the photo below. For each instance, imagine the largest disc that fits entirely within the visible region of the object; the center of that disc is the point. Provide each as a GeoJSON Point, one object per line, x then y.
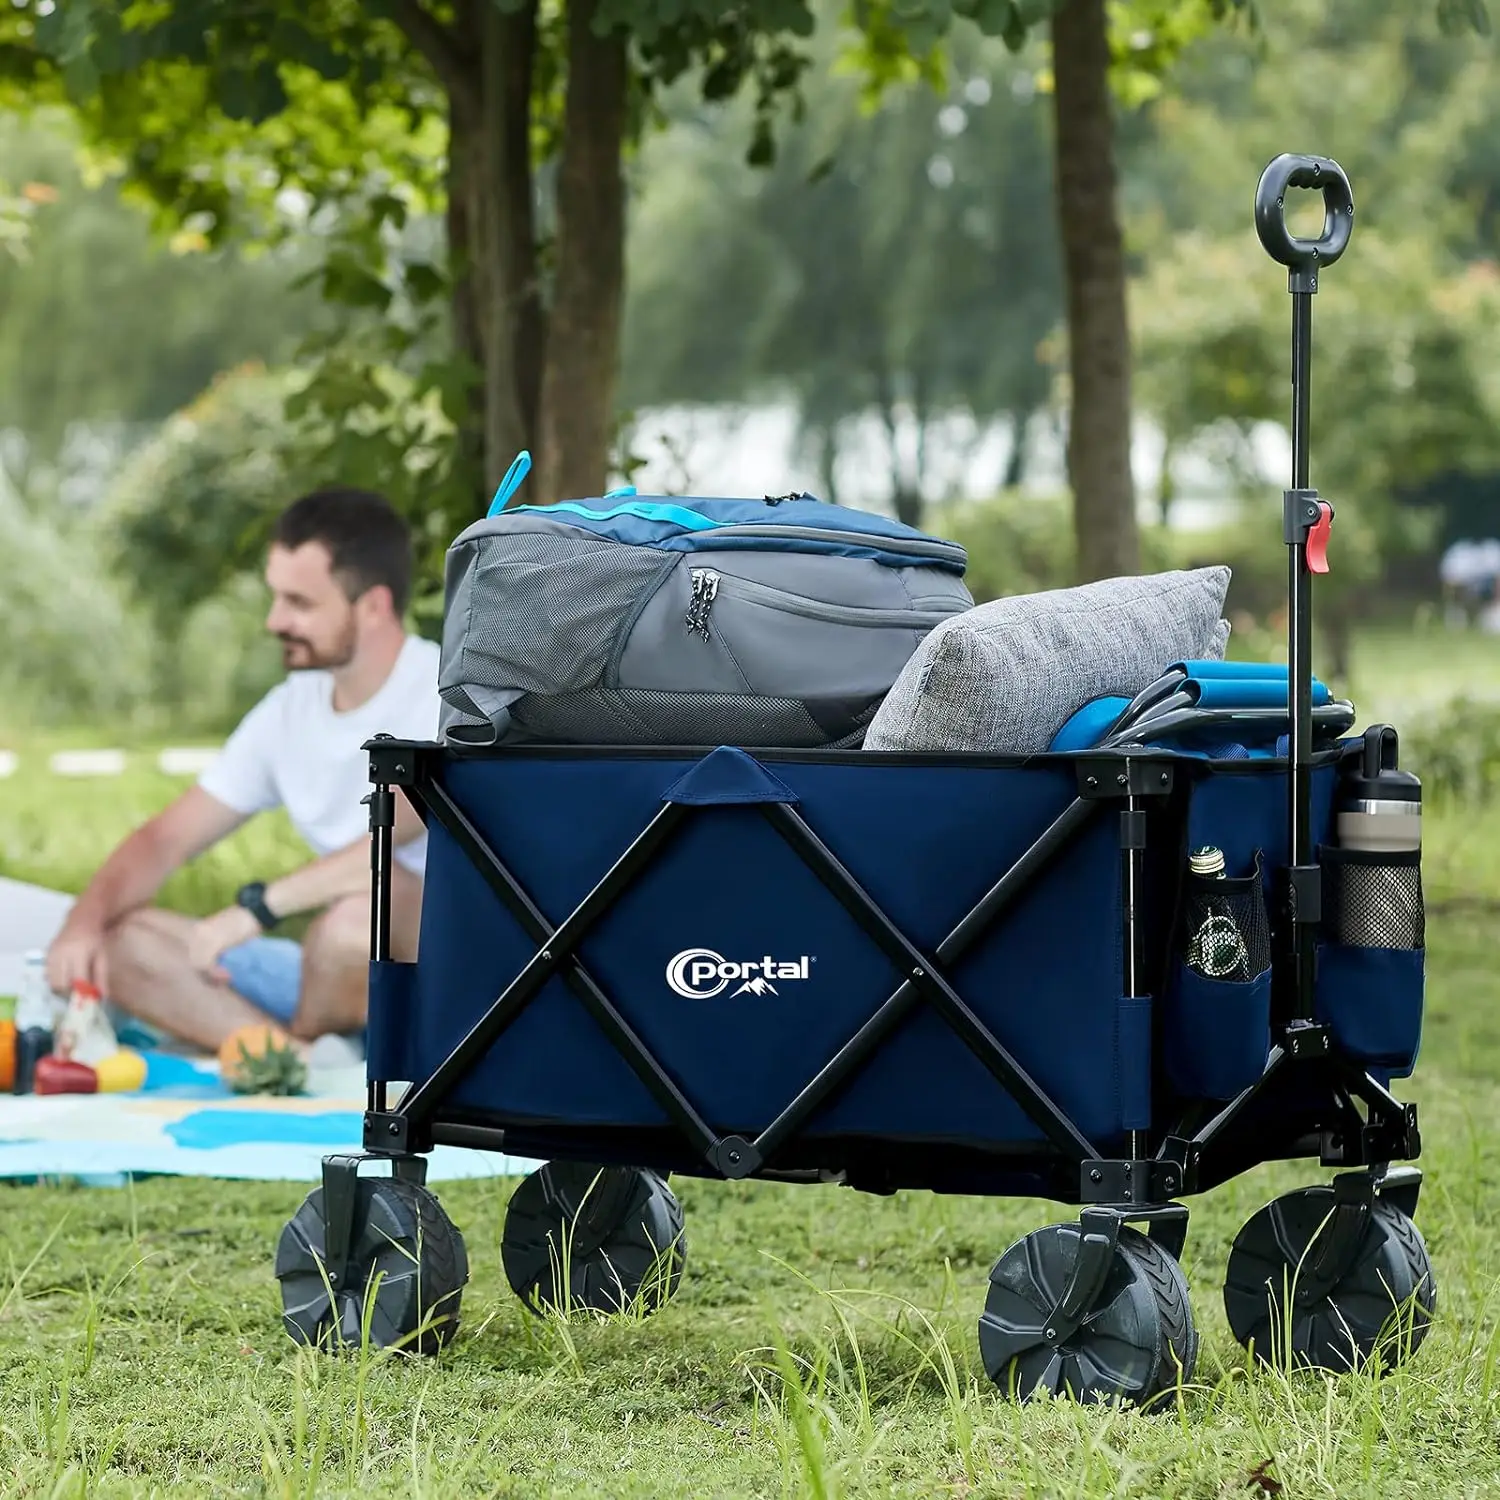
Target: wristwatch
{"type": "Point", "coordinates": [253, 898]}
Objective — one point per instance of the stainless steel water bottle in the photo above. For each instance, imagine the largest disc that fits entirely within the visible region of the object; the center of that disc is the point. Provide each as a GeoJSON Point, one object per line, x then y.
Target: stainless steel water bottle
{"type": "Point", "coordinates": [1378, 816]}
{"type": "Point", "coordinates": [1379, 807]}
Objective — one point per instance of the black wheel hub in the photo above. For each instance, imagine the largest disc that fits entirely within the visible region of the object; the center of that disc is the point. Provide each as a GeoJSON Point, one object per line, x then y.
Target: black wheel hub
{"type": "Point", "coordinates": [1129, 1344]}
{"type": "Point", "coordinates": [605, 1238]}
{"type": "Point", "coordinates": [404, 1276]}
{"type": "Point", "coordinates": [1333, 1286]}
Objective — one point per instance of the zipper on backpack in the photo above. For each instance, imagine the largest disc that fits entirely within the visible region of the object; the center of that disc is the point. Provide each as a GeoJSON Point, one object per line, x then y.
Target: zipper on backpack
{"type": "Point", "coordinates": [705, 590]}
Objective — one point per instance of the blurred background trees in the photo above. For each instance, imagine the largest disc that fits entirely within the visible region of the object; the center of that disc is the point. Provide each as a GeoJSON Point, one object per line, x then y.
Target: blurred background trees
{"type": "Point", "coordinates": [280, 245]}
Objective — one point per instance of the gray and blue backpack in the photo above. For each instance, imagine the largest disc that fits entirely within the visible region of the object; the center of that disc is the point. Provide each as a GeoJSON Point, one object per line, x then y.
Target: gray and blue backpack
{"type": "Point", "coordinates": [670, 621]}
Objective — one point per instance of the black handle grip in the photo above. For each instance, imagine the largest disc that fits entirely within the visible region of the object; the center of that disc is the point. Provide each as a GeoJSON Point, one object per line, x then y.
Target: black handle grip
{"type": "Point", "coordinates": [1382, 749]}
{"type": "Point", "coordinates": [1289, 171]}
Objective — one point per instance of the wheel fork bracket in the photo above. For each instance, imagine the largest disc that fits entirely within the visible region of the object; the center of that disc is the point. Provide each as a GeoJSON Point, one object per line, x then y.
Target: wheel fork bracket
{"type": "Point", "coordinates": [1331, 1255]}
{"type": "Point", "coordinates": [1099, 1238]}
{"type": "Point", "coordinates": [340, 1175]}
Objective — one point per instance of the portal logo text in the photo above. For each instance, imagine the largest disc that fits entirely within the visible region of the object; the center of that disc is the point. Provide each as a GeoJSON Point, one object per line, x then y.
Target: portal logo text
{"type": "Point", "coordinates": [700, 973]}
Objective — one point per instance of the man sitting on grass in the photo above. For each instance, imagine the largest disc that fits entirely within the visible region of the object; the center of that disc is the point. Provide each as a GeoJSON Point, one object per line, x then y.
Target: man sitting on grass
{"type": "Point", "coordinates": [339, 570]}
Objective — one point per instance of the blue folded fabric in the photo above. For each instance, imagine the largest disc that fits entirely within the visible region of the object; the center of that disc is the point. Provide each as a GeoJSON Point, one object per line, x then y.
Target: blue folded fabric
{"type": "Point", "coordinates": [1242, 684]}
{"type": "Point", "coordinates": [1089, 725]}
{"type": "Point", "coordinates": [1223, 685]}
{"type": "Point", "coordinates": [1250, 692]}
{"type": "Point", "coordinates": [1202, 669]}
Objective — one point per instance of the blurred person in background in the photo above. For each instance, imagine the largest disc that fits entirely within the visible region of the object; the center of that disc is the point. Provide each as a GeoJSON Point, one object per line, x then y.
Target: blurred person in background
{"type": "Point", "coordinates": [339, 570]}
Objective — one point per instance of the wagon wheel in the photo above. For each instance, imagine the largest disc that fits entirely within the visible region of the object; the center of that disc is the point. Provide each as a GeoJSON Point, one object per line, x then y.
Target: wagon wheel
{"type": "Point", "coordinates": [1376, 1307]}
{"type": "Point", "coordinates": [605, 1238]}
{"type": "Point", "coordinates": [1133, 1343]}
{"type": "Point", "coordinates": [406, 1270]}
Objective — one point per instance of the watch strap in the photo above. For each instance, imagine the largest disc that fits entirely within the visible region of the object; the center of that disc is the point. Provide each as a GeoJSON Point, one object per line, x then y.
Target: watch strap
{"type": "Point", "coordinates": [253, 898]}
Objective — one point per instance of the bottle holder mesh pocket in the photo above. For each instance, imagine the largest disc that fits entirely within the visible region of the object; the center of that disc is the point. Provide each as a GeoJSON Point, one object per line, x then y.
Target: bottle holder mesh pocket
{"type": "Point", "coordinates": [1373, 898]}
{"type": "Point", "coordinates": [1226, 933]}
{"type": "Point", "coordinates": [1217, 1032]}
{"type": "Point", "coordinates": [1372, 956]}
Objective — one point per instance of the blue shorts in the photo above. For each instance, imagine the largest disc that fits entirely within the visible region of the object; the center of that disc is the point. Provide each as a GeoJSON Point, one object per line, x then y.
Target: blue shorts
{"type": "Point", "coordinates": [266, 971]}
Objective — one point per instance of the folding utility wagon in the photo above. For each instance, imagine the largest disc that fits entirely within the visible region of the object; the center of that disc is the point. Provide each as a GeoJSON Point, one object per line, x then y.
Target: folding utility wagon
{"type": "Point", "coordinates": [962, 973]}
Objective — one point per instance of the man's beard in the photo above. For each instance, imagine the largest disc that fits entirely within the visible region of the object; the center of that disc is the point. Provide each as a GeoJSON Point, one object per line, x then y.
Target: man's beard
{"type": "Point", "coordinates": [299, 655]}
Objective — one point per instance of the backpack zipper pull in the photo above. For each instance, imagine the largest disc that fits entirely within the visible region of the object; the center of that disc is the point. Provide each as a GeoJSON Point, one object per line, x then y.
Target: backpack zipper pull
{"type": "Point", "coordinates": [705, 589]}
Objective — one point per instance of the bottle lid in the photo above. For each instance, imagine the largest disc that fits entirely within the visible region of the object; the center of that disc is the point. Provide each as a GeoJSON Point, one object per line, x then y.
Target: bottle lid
{"type": "Point", "coordinates": [1206, 861]}
{"type": "Point", "coordinates": [83, 990]}
{"type": "Point", "coordinates": [1387, 786]}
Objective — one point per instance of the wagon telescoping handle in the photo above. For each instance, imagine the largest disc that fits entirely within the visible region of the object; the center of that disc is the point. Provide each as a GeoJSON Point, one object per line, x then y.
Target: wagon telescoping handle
{"type": "Point", "coordinates": [1306, 522]}
{"type": "Point", "coordinates": [1316, 172]}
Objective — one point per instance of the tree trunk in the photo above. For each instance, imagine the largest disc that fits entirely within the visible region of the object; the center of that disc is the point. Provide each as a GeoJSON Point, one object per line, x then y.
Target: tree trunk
{"type": "Point", "coordinates": [1167, 491]}
{"type": "Point", "coordinates": [1015, 460]}
{"type": "Point", "coordinates": [906, 498]}
{"type": "Point", "coordinates": [827, 459]}
{"type": "Point", "coordinates": [468, 331]}
{"type": "Point", "coordinates": [499, 262]}
{"type": "Point", "coordinates": [1098, 336]}
{"type": "Point", "coordinates": [583, 336]}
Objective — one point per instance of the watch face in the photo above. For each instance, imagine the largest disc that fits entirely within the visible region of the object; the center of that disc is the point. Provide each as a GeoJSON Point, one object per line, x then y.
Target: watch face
{"type": "Point", "coordinates": [253, 899]}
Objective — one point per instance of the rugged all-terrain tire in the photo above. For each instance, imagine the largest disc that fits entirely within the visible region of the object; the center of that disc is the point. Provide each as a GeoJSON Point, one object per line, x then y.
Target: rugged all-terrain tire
{"type": "Point", "coordinates": [581, 1236]}
{"type": "Point", "coordinates": [1376, 1314]}
{"type": "Point", "coordinates": [405, 1277]}
{"type": "Point", "coordinates": [1135, 1344]}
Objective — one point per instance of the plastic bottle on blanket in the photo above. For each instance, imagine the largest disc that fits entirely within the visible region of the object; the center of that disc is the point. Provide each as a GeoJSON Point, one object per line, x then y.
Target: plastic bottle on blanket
{"type": "Point", "coordinates": [37, 1015]}
{"type": "Point", "coordinates": [85, 1035]}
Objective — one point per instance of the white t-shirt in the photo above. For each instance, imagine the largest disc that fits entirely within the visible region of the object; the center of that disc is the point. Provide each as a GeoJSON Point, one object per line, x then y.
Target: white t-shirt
{"type": "Point", "coordinates": [292, 750]}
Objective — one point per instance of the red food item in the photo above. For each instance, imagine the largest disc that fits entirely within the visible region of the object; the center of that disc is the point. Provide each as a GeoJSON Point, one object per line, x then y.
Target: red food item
{"type": "Point", "coordinates": [61, 1075]}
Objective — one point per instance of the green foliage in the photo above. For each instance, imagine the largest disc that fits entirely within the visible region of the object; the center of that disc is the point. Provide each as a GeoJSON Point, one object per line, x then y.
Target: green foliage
{"type": "Point", "coordinates": [169, 641]}
{"type": "Point", "coordinates": [329, 125]}
{"type": "Point", "coordinates": [191, 511]}
{"type": "Point", "coordinates": [903, 41]}
{"type": "Point", "coordinates": [1406, 389]}
{"type": "Point", "coordinates": [74, 648]}
{"type": "Point", "coordinates": [104, 326]}
{"type": "Point", "coordinates": [1457, 752]}
{"type": "Point", "coordinates": [192, 508]}
{"type": "Point", "coordinates": [1020, 544]}
{"type": "Point", "coordinates": [1015, 545]}
{"type": "Point", "coordinates": [1148, 39]}
{"type": "Point", "coordinates": [16, 212]}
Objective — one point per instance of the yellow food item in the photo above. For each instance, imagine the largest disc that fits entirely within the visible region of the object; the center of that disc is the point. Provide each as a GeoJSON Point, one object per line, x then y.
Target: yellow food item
{"type": "Point", "coordinates": [121, 1072]}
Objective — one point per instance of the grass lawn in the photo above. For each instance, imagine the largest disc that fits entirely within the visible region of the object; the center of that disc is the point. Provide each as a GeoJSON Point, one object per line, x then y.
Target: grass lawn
{"type": "Point", "coordinates": [822, 1343]}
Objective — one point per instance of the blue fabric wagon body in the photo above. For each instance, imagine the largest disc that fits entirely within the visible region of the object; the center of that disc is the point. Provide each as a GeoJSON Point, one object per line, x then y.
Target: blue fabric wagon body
{"type": "Point", "coordinates": [744, 975]}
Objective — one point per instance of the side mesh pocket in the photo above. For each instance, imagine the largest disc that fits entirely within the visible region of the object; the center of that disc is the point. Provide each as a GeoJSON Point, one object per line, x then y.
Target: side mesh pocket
{"type": "Point", "coordinates": [1373, 899]}
{"type": "Point", "coordinates": [1218, 1023]}
{"type": "Point", "coordinates": [1372, 955]}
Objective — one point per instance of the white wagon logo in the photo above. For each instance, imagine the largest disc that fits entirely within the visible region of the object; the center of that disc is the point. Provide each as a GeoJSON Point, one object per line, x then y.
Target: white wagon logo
{"type": "Point", "coordinates": [700, 973]}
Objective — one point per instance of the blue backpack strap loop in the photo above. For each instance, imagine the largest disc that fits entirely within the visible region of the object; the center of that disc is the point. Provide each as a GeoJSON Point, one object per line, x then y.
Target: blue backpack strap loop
{"type": "Point", "coordinates": [514, 476]}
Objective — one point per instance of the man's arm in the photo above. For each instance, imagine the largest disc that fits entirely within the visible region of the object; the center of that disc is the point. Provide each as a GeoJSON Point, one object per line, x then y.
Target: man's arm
{"type": "Point", "coordinates": [130, 877]}
{"type": "Point", "coordinates": [345, 872]}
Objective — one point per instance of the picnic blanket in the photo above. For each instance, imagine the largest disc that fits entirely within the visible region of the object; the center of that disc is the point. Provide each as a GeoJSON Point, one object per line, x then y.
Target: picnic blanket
{"type": "Point", "coordinates": [190, 1124]}
{"type": "Point", "coordinates": [198, 1127]}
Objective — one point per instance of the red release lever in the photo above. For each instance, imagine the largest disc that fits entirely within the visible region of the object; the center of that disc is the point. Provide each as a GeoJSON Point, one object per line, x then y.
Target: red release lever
{"type": "Point", "coordinates": [1317, 539]}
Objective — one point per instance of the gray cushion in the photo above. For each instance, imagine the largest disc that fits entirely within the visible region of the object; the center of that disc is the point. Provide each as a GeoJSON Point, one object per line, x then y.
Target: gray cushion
{"type": "Point", "coordinates": [1005, 676]}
